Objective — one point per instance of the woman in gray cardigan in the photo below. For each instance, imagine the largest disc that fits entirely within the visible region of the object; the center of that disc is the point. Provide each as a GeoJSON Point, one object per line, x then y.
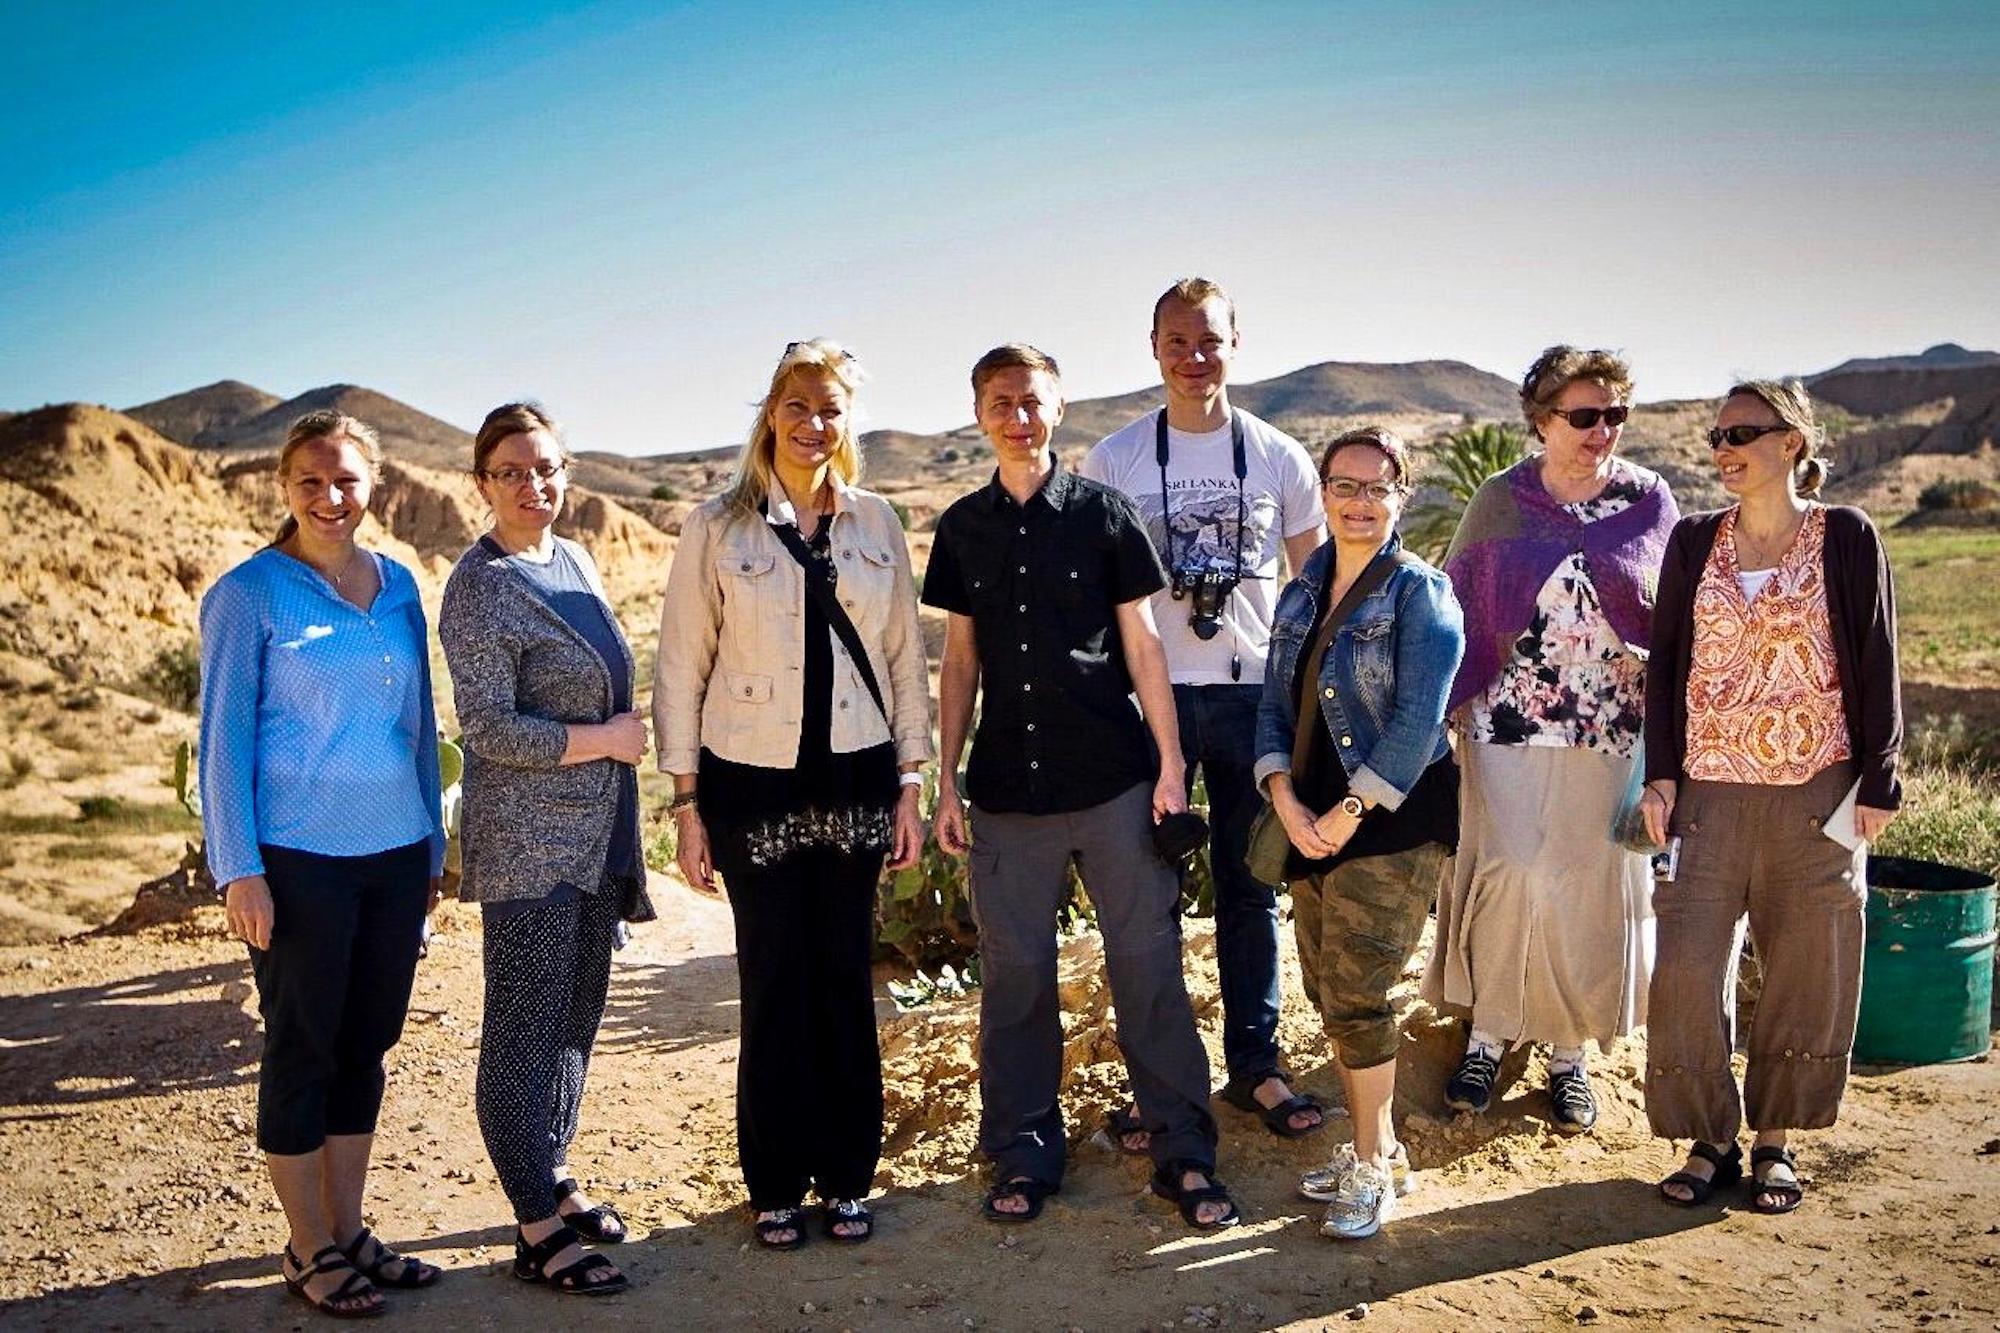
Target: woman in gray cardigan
{"type": "Point", "coordinates": [543, 682]}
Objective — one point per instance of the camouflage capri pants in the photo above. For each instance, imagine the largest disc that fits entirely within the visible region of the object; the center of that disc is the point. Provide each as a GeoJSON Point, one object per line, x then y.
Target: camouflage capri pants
{"type": "Point", "coordinates": [1357, 925]}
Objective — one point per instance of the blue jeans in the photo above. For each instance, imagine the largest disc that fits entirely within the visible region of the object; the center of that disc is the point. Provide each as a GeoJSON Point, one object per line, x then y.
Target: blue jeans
{"type": "Point", "coordinates": [1218, 732]}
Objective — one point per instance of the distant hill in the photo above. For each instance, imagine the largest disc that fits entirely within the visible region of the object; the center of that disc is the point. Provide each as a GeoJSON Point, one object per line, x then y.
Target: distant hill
{"type": "Point", "coordinates": [197, 416]}
{"type": "Point", "coordinates": [209, 419]}
{"type": "Point", "coordinates": [1944, 356]}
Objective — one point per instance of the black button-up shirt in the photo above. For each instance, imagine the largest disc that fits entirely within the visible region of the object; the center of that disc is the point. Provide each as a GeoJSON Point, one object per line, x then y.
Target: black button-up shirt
{"type": "Point", "coordinates": [1043, 582]}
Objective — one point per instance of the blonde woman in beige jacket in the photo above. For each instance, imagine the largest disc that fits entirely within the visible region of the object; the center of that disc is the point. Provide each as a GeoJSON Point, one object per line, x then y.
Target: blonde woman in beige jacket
{"type": "Point", "coordinates": [791, 704]}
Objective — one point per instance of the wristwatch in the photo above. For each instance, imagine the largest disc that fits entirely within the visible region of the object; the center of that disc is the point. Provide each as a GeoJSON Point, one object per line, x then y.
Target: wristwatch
{"type": "Point", "coordinates": [1351, 805]}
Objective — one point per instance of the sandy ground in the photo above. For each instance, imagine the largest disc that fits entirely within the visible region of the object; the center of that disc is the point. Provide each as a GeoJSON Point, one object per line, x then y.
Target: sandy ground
{"type": "Point", "coordinates": [127, 1087]}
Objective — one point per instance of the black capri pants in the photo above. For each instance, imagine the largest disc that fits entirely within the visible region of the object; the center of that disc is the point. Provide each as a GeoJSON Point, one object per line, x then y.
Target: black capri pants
{"type": "Point", "coordinates": [333, 988]}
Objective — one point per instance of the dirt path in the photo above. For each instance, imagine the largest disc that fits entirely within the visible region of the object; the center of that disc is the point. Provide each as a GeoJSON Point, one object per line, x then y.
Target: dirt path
{"type": "Point", "coordinates": [127, 1070]}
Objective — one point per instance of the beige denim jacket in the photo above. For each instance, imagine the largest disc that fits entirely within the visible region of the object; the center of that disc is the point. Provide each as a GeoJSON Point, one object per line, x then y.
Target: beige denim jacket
{"type": "Point", "coordinates": [730, 673]}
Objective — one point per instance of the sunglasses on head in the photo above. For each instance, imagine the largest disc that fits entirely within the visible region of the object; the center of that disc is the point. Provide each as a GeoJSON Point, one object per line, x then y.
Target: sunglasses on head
{"type": "Point", "coordinates": [796, 343]}
{"type": "Point", "coordinates": [1585, 418]}
{"type": "Point", "coordinates": [1741, 435]}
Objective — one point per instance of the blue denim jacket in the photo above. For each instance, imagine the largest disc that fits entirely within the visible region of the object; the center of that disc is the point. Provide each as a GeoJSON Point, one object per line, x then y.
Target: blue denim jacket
{"type": "Point", "coordinates": [1382, 687]}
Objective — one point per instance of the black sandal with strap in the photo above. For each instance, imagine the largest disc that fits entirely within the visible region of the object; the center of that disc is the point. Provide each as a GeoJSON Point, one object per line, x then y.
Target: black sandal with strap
{"type": "Point", "coordinates": [415, 1272]}
{"type": "Point", "coordinates": [1166, 1183]}
{"type": "Point", "coordinates": [1241, 1093]}
{"type": "Point", "coordinates": [1728, 1170]}
{"type": "Point", "coordinates": [600, 1223]}
{"type": "Point", "coordinates": [1125, 1121]}
{"type": "Point", "coordinates": [1788, 1193]}
{"type": "Point", "coordinates": [354, 1288]}
{"type": "Point", "coordinates": [1036, 1192]}
{"type": "Point", "coordinates": [849, 1213]}
{"type": "Point", "coordinates": [783, 1219]}
{"type": "Point", "coordinates": [531, 1264]}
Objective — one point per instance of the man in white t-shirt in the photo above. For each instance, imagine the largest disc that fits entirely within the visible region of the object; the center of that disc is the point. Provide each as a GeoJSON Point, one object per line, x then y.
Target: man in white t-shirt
{"type": "Point", "coordinates": [1222, 493]}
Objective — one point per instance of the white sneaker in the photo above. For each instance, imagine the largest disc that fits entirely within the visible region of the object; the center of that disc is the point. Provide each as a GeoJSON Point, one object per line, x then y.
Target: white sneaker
{"type": "Point", "coordinates": [1364, 1201]}
{"type": "Point", "coordinates": [1322, 1183]}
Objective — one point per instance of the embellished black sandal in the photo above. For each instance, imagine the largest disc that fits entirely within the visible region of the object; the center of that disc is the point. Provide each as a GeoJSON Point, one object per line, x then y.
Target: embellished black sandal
{"type": "Point", "coordinates": [1166, 1183]}
{"type": "Point", "coordinates": [1121, 1124]}
{"type": "Point", "coordinates": [355, 1288]}
{"type": "Point", "coordinates": [1728, 1170]}
{"type": "Point", "coordinates": [415, 1273]}
{"type": "Point", "coordinates": [531, 1264]}
{"type": "Point", "coordinates": [1036, 1192]}
{"type": "Point", "coordinates": [784, 1219]}
{"type": "Point", "coordinates": [601, 1223]}
{"type": "Point", "coordinates": [1241, 1093]}
{"type": "Point", "coordinates": [849, 1212]}
{"type": "Point", "coordinates": [1788, 1193]}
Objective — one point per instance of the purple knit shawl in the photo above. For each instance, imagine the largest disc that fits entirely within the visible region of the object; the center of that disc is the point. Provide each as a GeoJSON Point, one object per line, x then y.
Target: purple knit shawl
{"type": "Point", "coordinates": [1511, 539]}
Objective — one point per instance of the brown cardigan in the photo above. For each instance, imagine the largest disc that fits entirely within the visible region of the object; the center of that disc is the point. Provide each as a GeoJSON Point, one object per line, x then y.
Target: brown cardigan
{"type": "Point", "coordinates": [1861, 609]}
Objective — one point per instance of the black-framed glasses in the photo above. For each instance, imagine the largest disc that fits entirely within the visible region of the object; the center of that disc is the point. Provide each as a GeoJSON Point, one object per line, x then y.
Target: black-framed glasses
{"type": "Point", "coordinates": [1346, 488]}
{"type": "Point", "coordinates": [1741, 435]}
{"type": "Point", "coordinates": [514, 476]}
{"type": "Point", "coordinates": [1585, 418]}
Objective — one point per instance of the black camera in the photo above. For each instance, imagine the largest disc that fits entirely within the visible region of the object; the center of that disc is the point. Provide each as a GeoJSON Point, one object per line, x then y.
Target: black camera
{"type": "Point", "coordinates": [1206, 590]}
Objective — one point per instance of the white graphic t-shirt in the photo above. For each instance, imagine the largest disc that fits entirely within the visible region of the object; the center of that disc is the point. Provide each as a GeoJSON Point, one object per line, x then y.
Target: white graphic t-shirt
{"type": "Point", "coordinates": [1280, 500]}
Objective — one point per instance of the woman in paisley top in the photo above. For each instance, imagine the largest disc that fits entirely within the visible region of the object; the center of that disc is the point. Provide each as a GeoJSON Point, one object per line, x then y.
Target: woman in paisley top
{"type": "Point", "coordinates": [1543, 932]}
{"type": "Point", "coordinates": [789, 689]}
{"type": "Point", "coordinates": [1773, 729]}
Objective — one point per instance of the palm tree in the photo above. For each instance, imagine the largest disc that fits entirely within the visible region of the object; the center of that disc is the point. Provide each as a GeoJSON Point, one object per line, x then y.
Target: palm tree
{"type": "Point", "coordinates": [1460, 463]}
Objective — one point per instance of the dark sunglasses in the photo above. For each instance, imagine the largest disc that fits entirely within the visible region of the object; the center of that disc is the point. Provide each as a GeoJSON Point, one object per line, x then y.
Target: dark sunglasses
{"type": "Point", "coordinates": [1741, 435]}
{"type": "Point", "coordinates": [1585, 418]}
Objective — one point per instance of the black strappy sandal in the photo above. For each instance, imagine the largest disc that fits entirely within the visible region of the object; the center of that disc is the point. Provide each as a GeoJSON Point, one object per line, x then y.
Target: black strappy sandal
{"type": "Point", "coordinates": [531, 1264]}
{"type": "Point", "coordinates": [786, 1219]}
{"type": "Point", "coordinates": [1728, 1170]}
{"type": "Point", "coordinates": [1167, 1184]}
{"type": "Point", "coordinates": [354, 1288]}
{"type": "Point", "coordinates": [415, 1272]}
{"type": "Point", "coordinates": [849, 1212]}
{"type": "Point", "coordinates": [1789, 1193]}
{"type": "Point", "coordinates": [1125, 1121]}
{"type": "Point", "coordinates": [1241, 1093]}
{"type": "Point", "coordinates": [1036, 1192]}
{"type": "Point", "coordinates": [600, 1223]}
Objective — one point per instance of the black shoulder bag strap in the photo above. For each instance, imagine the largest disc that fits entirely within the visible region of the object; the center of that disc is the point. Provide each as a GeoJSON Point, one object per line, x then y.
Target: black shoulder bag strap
{"type": "Point", "coordinates": [1372, 576]}
{"type": "Point", "coordinates": [835, 613]}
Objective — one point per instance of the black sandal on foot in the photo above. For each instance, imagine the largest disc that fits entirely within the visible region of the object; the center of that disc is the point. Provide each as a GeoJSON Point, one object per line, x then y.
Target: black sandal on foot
{"type": "Point", "coordinates": [1241, 1093]}
{"type": "Point", "coordinates": [356, 1287]}
{"type": "Point", "coordinates": [849, 1212]}
{"type": "Point", "coordinates": [785, 1219]}
{"type": "Point", "coordinates": [1124, 1122]}
{"type": "Point", "coordinates": [1034, 1191]}
{"type": "Point", "coordinates": [1167, 1184]}
{"type": "Point", "coordinates": [415, 1273]}
{"type": "Point", "coordinates": [1728, 1170]}
{"type": "Point", "coordinates": [531, 1264]}
{"type": "Point", "coordinates": [1788, 1193]}
{"type": "Point", "coordinates": [600, 1223]}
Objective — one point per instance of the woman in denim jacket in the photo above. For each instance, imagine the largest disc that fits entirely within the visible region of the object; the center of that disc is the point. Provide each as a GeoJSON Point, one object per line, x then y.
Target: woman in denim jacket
{"type": "Point", "coordinates": [1373, 812]}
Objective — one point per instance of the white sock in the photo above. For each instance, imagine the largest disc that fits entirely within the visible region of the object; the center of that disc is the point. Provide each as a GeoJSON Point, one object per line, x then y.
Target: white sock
{"type": "Point", "coordinates": [1562, 1059]}
{"type": "Point", "coordinates": [1485, 1043]}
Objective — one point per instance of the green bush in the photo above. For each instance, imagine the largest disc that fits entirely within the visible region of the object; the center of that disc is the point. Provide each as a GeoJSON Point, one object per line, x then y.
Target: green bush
{"type": "Point", "coordinates": [665, 491]}
{"type": "Point", "coordinates": [173, 678]}
{"type": "Point", "coordinates": [1958, 495]}
{"type": "Point", "coordinates": [902, 513]}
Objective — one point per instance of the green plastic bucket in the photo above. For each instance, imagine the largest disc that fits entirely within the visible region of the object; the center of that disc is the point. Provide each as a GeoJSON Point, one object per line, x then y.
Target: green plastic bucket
{"type": "Point", "coordinates": [1927, 971]}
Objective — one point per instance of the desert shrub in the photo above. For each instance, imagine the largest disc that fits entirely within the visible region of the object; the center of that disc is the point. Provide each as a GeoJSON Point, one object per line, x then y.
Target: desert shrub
{"type": "Point", "coordinates": [1963, 494]}
{"type": "Point", "coordinates": [902, 513]}
{"type": "Point", "coordinates": [18, 767]}
{"type": "Point", "coordinates": [83, 849]}
{"type": "Point", "coordinates": [173, 678]}
{"type": "Point", "coordinates": [1951, 813]}
{"type": "Point", "coordinates": [665, 491]}
{"type": "Point", "coordinates": [83, 701]}
{"type": "Point", "coordinates": [104, 814]}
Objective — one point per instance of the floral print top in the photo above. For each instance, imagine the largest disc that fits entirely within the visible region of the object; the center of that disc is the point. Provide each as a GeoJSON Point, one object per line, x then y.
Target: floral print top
{"type": "Point", "coordinates": [1572, 681]}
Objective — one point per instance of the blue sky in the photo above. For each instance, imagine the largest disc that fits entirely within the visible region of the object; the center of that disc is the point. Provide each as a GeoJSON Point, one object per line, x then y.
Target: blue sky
{"type": "Point", "coordinates": [627, 210]}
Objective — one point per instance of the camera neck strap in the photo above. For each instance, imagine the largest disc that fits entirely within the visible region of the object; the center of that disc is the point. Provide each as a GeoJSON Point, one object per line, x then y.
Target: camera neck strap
{"type": "Point", "coordinates": [1241, 463]}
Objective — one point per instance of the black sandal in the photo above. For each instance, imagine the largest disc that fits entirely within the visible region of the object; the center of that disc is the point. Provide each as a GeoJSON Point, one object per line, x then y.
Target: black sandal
{"type": "Point", "coordinates": [1125, 1121]}
{"type": "Point", "coordinates": [1036, 1192]}
{"type": "Point", "coordinates": [787, 1219]}
{"type": "Point", "coordinates": [415, 1272]}
{"type": "Point", "coordinates": [849, 1212]}
{"type": "Point", "coordinates": [600, 1223]}
{"type": "Point", "coordinates": [1167, 1184]}
{"type": "Point", "coordinates": [531, 1264]}
{"type": "Point", "coordinates": [1728, 1170]}
{"type": "Point", "coordinates": [1241, 1093]}
{"type": "Point", "coordinates": [354, 1288]}
{"type": "Point", "coordinates": [1789, 1194]}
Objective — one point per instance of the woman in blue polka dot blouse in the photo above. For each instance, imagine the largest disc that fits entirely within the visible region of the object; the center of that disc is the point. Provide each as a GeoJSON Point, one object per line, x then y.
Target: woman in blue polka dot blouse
{"type": "Point", "coordinates": [319, 782]}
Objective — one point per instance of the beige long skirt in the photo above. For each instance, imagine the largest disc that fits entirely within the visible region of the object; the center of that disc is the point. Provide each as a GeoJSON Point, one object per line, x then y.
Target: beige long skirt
{"type": "Point", "coordinates": [1545, 932]}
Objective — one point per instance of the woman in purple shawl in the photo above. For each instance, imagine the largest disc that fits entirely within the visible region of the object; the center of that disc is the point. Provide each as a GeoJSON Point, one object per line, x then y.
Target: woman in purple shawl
{"type": "Point", "coordinates": [1544, 933]}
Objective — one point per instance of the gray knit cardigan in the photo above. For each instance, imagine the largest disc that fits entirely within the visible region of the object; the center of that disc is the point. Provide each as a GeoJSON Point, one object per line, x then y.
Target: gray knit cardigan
{"type": "Point", "coordinates": [520, 675]}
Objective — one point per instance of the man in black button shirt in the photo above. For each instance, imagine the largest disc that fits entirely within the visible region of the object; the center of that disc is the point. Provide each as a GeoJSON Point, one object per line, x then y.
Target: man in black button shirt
{"type": "Point", "coordinates": [1046, 578]}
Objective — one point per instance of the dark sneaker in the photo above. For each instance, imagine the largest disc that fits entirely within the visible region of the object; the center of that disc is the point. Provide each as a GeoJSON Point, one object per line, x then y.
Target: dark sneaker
{"type": "Point", "coordinates": [1471, 1088]}
{"type": "Point", "coordinates": [1575, 1107]}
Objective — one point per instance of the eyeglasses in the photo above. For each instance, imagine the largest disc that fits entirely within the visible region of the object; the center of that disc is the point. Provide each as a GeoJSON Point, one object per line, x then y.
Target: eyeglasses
{"type": "Point", "coordinates": [1346, 488]}
{"type": "Point", "coordinates": [1741, 435]}
{"type": "Point", "coordinates": [514, 476]}
{"type": "Point", "coordinates": [1585, 418]}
